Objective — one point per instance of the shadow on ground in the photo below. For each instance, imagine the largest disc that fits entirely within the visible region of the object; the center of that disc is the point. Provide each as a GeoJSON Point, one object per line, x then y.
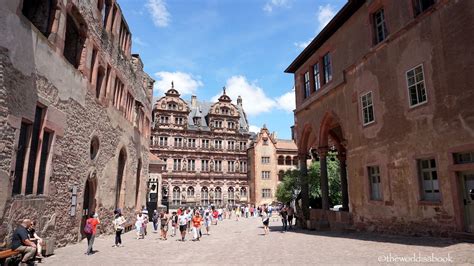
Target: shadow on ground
{"type": "Point", "coordinates": [373, 237]}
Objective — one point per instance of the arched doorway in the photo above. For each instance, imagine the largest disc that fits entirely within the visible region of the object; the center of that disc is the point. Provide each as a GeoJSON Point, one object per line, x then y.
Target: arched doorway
{"type": "Point", "coordinates": [89, 202]}
{"type": "Point", "coordinates": [137, 182]}
{"type": "Point", "coordinates": [120, 171]}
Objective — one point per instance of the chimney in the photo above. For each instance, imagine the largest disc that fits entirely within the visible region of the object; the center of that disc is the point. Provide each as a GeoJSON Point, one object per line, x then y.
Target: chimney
{"type": "Point", "coordinates": [239, 101]}
{"type": "Point", "coordinates": [274, 135]}
{"type": "Point", "coordinates": [193, 101]}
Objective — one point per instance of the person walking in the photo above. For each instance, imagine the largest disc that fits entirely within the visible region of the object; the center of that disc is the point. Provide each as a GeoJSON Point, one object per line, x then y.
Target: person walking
{"type": "Point", "coordinates": [284, 218]}
{"type": "Point", "coordinates": [207, 222]}
{"type": "Point", "coordinates": [197, 220]}
{"type": "Point", "coordinates": [139, 226]}
{"type": "Point", "coordinates": [90, 230]}
{"type": "Point", "coordinates": [174, 223]}
{"type": "Point", "coordinates": [237, 213]}
{"type": "Point", "coordinates": [265, 220]}
{"type": "Point", "coordinates": [154, 219]}
{"type": "Point", "coordinates": [164, 221]}
{"type": "Point", "coordinates": [291, 213]}
{"type": "Point", "coordinates": [118, 222]}
{"type": "Point", "coordinates": [183, 222]}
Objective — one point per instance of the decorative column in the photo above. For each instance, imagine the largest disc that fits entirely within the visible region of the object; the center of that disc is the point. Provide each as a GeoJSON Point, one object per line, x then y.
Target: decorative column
{"type": "Point", "coordinates": [323, 151]}
{"type": "Point", "coordinates": [304, 187]}
{"type": "Point", "coordinates": [344, 189]}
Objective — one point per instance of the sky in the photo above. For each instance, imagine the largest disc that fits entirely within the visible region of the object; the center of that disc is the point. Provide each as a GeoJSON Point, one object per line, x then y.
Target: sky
{"type": "Point", "coordinates": [244, 45]}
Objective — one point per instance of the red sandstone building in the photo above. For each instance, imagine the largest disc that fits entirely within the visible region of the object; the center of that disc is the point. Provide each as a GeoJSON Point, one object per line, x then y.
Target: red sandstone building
{"type": "Point", "coordinates": [204, 147]}
{"type": "Point", "coordinates": [388, 85]}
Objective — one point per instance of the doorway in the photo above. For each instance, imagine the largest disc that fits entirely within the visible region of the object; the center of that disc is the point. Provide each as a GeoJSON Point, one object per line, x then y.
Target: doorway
{"type": "Point", "coordinates": [467, 182]}
{"type": "Point", "coordinates": [88, 206]}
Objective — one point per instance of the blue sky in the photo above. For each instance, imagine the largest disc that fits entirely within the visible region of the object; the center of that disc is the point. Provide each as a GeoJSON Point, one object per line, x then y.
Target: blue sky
{"type": "Point", "coordinates": [244, 45]}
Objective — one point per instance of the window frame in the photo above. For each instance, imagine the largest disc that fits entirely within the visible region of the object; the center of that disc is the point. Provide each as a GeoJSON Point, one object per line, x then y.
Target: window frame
{"type": "Point", "coordinates": [327, 68]}
{"type": "Point", "coordinates": [421, 180]}
{"type": "Point", "coordinates": [306, 85]}
{"type": "Point", "coordinates": [415, 84]}
{"type": "Point", "coordinates": [364, 123]}
{"type": "Point", "coordinates": [370, 175]}
{"type": "Point", "coordinates": [317, 76]}
{"type": "Point", "coordinates": [376, 26]}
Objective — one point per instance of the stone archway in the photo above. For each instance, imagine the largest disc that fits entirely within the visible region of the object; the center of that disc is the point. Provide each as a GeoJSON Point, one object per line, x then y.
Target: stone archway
{"type": "Point", "coordinates": [89, 199]}
{"type": "Point", "coordinates": [122, 159]}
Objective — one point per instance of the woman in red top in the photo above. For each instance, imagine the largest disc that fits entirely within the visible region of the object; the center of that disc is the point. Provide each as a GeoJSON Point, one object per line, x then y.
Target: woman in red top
{"type": "Point", "coordinates": [215, 215]}
{"type": "Point", "coordinates": [197, 219]}
{"type": "Point", "coordinates": [90, 230]}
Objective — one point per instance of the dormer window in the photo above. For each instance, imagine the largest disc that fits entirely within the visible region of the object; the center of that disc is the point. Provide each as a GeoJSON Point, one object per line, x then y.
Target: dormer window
{"type": "Point", "coordinates": [172, 106]}
{"type": "Point", "coordinates": [217, 123]}
{"type": "Point", "coordinates": [225, 111]}
{"type": "Point", "coordinates": [197, 121]}
{"type": "Point", "coordinates": [164, 119]}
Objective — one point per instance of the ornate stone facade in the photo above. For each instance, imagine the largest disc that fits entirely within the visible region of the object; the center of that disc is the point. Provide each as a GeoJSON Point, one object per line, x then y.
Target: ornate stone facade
{"type": "Point", "coordinates": [270, 158]}
{"type": "Point", "coordinates": [75, 112]}
{"type": "Point", "coordinates": [204, 146]}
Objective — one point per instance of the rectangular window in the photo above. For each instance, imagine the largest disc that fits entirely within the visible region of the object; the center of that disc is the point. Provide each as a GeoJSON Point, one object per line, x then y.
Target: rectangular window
{"type": "Point", "coordinates": [34, 149]}
{"type": "Point", "coordinates": [192, 143]}
{"type": "Point", "coordinates": [243, 167]}
{"type": "Point", "coordinates": [164, 119]}
{"type": "Point", "coordinates": [178, 142]}
{"type": "Point", "coordinates": [22, 148]}
{"type": "Point", "coordinates": [429, 180]}
{"type": "Point", "coordinates": [327, 68]}
{"type": "Point", "coordinates": [464, 157]}
{"type": "Point", "coordinates": [163, 141]}
{"type": "Point", "coordinates": [374, 179]}
{"type": "Point", "coordinates": [242, 146]}
{"type": "Point", "coordinates": [218, 166]}
{"type": "Point", "coordinates": [265, 174]}
{"type": "Point", "coordinates": [380, 28]}
{"type": "Point", "coordinates": [231, 166]}
{"type": "Point", "coordinates": [218, 144]}
{"type": "Point", "coordinates": [367, 108]}
{"type": "Point", "coordinates": [307, 86]}
{"type": "Point", "coordinates": [191, 165]}
{"type": "Point", "coordinates": [218, 123]}
{"type": "Point", "coordinates": [265, 160]}
{"type": "Point", "coordinates": [177, 164]}
{"type": "Point", "coordinates": [266, 193]}
{"type": "Point", "coordinates": [416, 86]}
{"type": "Point", "coordinates": [204, 165]}
{"type": "Point", "coordinates": [45, 149]}
{"type": "Point", "coordinates": [230, 145]}
{"type": "Point", "coordinates": [421, 5]}
{"type": "Point", "coordinates": [178, 120]}
{"type": "Point", "coordinates": [317, 77]}
{"type": "Point", "coordinates": [205, 143]}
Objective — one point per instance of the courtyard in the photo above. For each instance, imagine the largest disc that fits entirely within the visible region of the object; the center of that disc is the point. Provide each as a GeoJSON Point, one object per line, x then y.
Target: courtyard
{"type": "Point", "coordinates": [242, 243]}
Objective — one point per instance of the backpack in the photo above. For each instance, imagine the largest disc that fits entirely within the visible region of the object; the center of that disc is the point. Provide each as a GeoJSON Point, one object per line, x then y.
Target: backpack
{"type": "Point", "coordinates": [88, 228]}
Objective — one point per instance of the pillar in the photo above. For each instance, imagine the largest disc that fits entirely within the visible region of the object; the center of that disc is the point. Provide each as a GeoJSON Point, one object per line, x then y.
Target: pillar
{"type": "Point", "coordinates": [344, 188]}
{"type": "Point", "coordinates": [304, 186]}
{"type": "Point", "coordinates": [323, 151]}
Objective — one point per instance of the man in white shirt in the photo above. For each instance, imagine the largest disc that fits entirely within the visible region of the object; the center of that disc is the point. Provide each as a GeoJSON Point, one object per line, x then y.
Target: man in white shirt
{"type": "Point", "coordinates": [183, 224]}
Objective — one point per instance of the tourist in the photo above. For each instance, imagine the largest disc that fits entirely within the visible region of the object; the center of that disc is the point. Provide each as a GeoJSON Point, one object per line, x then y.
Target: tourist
{"type": "Point", "coordinates": [265, 220]}
{"type": "Point", "coordinates": [252, 210]}
{"type": "Point", "coordinates": [36, 239]}
{"type": "Point", "coordinates": [237, 213]}
{"type": "Point", "coordinates": [189, 215]}
{"type": "Point", "coordinates": [154, 219]}
{"type": "Point", "coordinates": [220, 212]}
{"type": "Point", "coordinates": [139, 226]}
{"type": "Point", "coordinates": [22, 243]}
{"type": "Point", "coordinates": [207, 221]}
{"type": "Point", "coordinates": [119, 220]}
{"type": "Point", "coordinates": [174, 223]}
{"type": "Point", "coordinates": [197, 219]}
{"type": "Point", "coordinates": [164, 220]}
{"type": "Point", "coordinates": [270, 210]}
{"type": "Point", "coordinates": [90, 230]}
{"type": "Point", "coordinates": [183, 222]}
{"type": "Point", "coordinates": [247, 211]}
{"type": "Point", "coordinates": [284, 218]}
{"type": "Point", "coordinates": [145, 220]}
{"type": "Point", "coordinates": [215, 216]}
{"type": "Point", "coordinates": [291, 213]}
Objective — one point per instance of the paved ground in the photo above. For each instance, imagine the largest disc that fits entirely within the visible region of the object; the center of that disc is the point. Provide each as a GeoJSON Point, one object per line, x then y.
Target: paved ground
{"type": "Point", "coordinates": [242, 242]}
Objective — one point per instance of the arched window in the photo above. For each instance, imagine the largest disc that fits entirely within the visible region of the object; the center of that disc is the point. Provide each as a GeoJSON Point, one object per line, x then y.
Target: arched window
{"type": "Point", "coordinates": [204, 196]}
{"type": "Point", "coordinates": [230, 196]}
{"type": "Point", "coordinates": [243, 192]}
{"type": "Point", "coordinates": [121, 166]}
{"type": "Point", "coordinates": [281, 160]}
{"type": "Point", "coordinates": [295, 160]}
{"type": "Point", "coordinates": [190, 192]}
{"type": "Point", "coordinates": [280, 175]}
{"type": "Point", "coordinates": [288, 160]}
{"type": "Point", "coordinates": [218, 196]}
{"type": "Point", "coordinates": [176, 196]}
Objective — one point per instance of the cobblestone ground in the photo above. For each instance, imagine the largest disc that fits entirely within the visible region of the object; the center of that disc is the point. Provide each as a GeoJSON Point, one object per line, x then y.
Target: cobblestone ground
{"type": "Point", "coordinates": [242, 242]}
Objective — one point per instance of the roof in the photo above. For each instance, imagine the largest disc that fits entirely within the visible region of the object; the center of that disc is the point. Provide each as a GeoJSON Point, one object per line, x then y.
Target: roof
{"type": "Point", "coordinates": [285, 144]}
{"type": "Point", "coordinates": [339, 19]}
{"type": "Point", "coordinates": [153, 159]}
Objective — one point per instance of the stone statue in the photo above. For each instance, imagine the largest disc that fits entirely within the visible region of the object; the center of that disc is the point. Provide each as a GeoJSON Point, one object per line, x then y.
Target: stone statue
{"type": "Point", "coordinates": [185, 165]}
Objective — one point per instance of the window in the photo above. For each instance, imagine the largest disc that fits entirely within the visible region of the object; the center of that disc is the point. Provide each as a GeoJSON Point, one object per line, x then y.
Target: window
{"type": "Point", "coordinates": [191, 165]}
{"type": "Point", "coordinates": [192, 143]}
{"type": "Point", "coordinates": [124, 37]}
{"type": "Point", "coordinates": [218, 196]}
{"type": "Point", "coordinates": [178, 142]}
{"type": "Point", "coordinates": [429, 180]}
{"type": "Point", "coordinates": [74, 41]}
{"type": "Point", "coordinates": [327, 68]}
{"type": "Point", "coordinates": [421, 5]}
{"type": "Point", "coordinates": [465, 157]}
{"type": "Point", "coordinates": [281, 160]}
{"type": "Point", "coordinates": [163, 141]}
{"type": "Point", "coordinates": [380, 29]}
{"type": "Point", "coordinates": [225, 111]}
{"type": "Point", "coordinates": [243, 192]}
{"type": "Point", "coordinates": [40, 13]}
{"type": "Point", "coordinates": [118, 93]}
{"type": "Point", "coordinates": [205, 143]}
{"type": "Point", "coordinates": [281, 175]}
{"type": "Point", "coordinates": [177, 164]}
{"type": "Point", "coordinates": [288, 160]}
{"type": "Point", "coordinates": [242, 146]}
{"type": "Point", "coordinates": [22, 148]}
{"type": "Point", "coordinates": [416, 86]}
{"type": "Point", "coordinates": [265, 160]}
{"type": "Point", "coordinates": [218, 166]}
{"type": "Point", "coordinates": [106, 11]}
{"type": "Point", "coordinates": [164, 119]}
{"type": "Point", "coordinates": [306, 85]}
{"type": "Point", "coordinates": [204, 196]}
{"type": "Point", "coordinates": [217, 123]}
{"type": "Point", "coordinates": [230, 145]}
{"type": "Point", "coordinates": [317, 77]}
{"type": "Point", "coordinates": [367, 108]}
{"type": "Point", "coordinates": [243, 167]}
{"type": "Point", "coordinates": [230, 125]}
{"type": "Point", "coordinates": [176, 196]}
{"type": "Point", "coordinates": [374, 179]}
{"type": "Point", "coordinates": [265, 174]}
{"type": "Point", "coordinates": [205, 165]}
{"type": "Point", "coordinates": [172, 106]}
{"type": "Point", "coordinates": [190, 192]}
{"type": "Point", "coordinates": [231, 166]}
{"type": "Point", "coordinates": [218, 144]}
{"type": "Point", "coordinates": [178, 120]}
{"type": "Point", "coordinates": [230, 196]}
{"type": "Point", "coordinates": [265, 141]}
{"type": "Point", "coordinates": [266, 193]}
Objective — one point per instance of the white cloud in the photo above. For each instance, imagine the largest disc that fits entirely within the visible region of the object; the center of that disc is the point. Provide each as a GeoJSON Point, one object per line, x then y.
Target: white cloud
{"type": "Point", "coordinates": [271, 4]}
{"type": "Point", "coordinates": [254, 99]}
{"type": "Point", "coordinates": [184, 83]}
{"type": "Point", "coordinates": [159, 13]}
{"type": "Point", "coordinates": [324, 15]}
{"type": "Point", "coordinates": [139, 41]}
{"type": "Point", "coordinates": [253, 128]}
{"type": "Point", "coordinates": [286, 102]}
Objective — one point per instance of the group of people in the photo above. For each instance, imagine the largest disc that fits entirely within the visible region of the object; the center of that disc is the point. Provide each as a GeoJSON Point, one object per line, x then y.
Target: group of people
{"type": "Point", "coordinates": [26, 241]}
